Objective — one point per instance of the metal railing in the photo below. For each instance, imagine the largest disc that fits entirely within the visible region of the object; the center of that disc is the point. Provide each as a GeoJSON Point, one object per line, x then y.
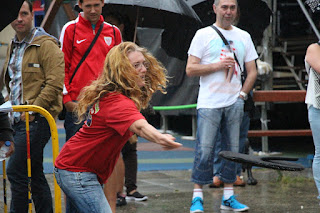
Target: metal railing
{"type": "Point", "coordinates": [55, 148]}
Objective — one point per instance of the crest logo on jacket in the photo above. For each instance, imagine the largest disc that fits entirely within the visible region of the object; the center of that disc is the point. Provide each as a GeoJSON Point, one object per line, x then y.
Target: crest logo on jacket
{"type": "Point", "coordinates": [108, 40]}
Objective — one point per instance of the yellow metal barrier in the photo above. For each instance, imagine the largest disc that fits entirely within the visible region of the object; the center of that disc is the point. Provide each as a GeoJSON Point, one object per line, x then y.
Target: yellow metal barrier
{"type": "Point", "coordinates": [55, 144]}
{"type": "Point", "coordinates": [4, 186]}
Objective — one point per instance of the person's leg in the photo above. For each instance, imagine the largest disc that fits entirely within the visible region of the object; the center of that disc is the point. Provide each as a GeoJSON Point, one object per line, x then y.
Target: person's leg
{"type": "Point", "coordinates": [244, 128]}
{"type": "Point", "coordinates": [17, 171]}
{"type": "Point", "coordinates": [120, 175]}
{"type": "Point", "coordinates": [217, 162]}
{"type": "Point", "coordinates": [110, 187]}
{"type": "Point", "coordinates": [70, 208]}
{"type": "Point", "coordinates": [230, 128]}
{"type": "Point", "coordinates": [208, 125]}
{"type": "Point", "coordinates": [17, 167]}
{"type": "Point", "coordinates": [217, 159]}
{"type": "Point", "coordinates": [129, 154]}
{"type": "Point", "coordinates": [41, 194]}
{"type": "Point", "coordinates": [120, 171]}
{"type": "Point", "coordinates": [230, 132]}
{"type": "Point", "coordinates": [314, 120]}
{"type": "Point", "coordinates": [83, 190]}
{"type": "Point", "coordinates": [70, 125]}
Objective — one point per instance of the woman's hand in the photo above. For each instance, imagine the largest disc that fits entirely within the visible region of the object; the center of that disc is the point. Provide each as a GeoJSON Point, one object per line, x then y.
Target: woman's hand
{"type": "Point", "coordinates": [167, 142]}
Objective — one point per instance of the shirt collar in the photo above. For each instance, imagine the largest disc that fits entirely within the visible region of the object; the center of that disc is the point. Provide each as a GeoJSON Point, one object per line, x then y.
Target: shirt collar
{"type": "Point", "coordinates": [26, 39]}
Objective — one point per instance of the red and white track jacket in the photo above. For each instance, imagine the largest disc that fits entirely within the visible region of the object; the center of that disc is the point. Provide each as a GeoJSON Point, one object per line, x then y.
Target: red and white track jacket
{"type": "Point", "coordinates": [76, 36]}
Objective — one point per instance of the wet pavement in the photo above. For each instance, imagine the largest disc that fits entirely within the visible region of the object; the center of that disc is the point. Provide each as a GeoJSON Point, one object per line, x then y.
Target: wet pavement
{"type": "Point", "coordinates": [171, 191]}
{"type": "Point", "coordinates": [164, 176]}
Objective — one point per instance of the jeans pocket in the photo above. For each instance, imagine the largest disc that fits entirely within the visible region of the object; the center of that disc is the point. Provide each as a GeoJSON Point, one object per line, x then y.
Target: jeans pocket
{"type": "Point", "coordinates": [57, 176]}
{"type": "Point", "coordinates": [87, 179]}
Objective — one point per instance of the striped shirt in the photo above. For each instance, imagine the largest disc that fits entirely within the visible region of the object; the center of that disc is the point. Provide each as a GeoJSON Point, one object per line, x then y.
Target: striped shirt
{"type": "Point", "coordinates": [15, 72]}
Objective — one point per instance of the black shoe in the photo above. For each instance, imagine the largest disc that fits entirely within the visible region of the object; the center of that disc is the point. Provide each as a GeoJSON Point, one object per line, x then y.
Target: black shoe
{"type": "Point", "coordinates": [136, 196]}
{"type": "Point", "coordinates": [121, 201]}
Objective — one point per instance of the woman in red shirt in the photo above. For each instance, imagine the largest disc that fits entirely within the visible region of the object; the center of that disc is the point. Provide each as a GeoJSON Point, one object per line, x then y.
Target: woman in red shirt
{"type": "Point", "coordinates": [131, 75]}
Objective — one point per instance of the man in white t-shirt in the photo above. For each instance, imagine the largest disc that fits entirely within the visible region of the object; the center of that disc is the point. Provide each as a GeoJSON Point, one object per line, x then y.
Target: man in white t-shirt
{"type": "Point", "coordinates": [221, 98]}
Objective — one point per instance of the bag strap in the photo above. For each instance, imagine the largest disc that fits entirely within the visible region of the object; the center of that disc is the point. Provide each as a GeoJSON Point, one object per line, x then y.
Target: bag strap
{"type": "Point", "coordinates": [243, 72]}
{"type": "Point", "coordinates": [87, 52]}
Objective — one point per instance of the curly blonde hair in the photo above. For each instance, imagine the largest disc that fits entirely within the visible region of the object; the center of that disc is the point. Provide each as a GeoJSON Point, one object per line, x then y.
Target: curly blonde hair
{"type": "Point", "coordinates": [120, 76]}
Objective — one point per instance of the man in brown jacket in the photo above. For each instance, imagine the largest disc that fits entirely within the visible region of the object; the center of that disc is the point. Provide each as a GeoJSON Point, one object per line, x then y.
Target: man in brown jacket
{"type": "Point", "coordinates": [33, 74]}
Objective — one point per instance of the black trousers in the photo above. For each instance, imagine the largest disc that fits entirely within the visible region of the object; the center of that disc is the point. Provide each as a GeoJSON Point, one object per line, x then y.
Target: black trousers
{"type": "Point", "coordinates": [129, 155]}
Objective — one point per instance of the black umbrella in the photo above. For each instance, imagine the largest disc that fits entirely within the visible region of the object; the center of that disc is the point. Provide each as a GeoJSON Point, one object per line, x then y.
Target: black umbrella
{"type": "Point", "coordinates": [172, 15]}
{"type": "Point", "coordinates": [9, 11]}
{"type": "Point", "coordinates": [151, 13]}
{"type": "Point", "coordinates": [254, 16]}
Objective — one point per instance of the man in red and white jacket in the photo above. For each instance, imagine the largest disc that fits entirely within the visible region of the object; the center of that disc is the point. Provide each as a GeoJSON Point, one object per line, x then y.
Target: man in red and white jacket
{"type": "Point", "coordinates": [76, 36]}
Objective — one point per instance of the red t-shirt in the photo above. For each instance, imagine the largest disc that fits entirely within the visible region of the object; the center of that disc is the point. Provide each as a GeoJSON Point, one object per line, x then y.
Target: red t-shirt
{"type": "Point", "coordinates": [97, 145]}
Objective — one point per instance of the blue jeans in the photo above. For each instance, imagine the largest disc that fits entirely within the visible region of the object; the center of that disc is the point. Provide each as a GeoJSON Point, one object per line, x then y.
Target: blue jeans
{"type": "Point", "coordinates": [83, 191]}
{"type": "Point", "coordinates": [314, 120]}
{"type": "Point", "coordinates": [244, 128]}
{"type": "Point", "coordinates": [17, 167]}
{"type": "Point", "coordinates": [70, 125]}
{"type": "Point", "coordinates": [210, 121]}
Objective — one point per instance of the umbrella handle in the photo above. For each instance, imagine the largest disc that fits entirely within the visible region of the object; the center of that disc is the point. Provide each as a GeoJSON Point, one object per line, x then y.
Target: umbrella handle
{"type": "Point", "coordinates": [136, 26]}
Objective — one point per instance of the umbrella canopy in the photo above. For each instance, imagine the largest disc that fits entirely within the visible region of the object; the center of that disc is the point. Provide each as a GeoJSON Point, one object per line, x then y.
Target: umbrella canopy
{"type": "Point", "coordinates": [175, 16]}
{"type": "Point", "coordinates": [151, 13]}
{"type": "Point", "coordinates": [9, 12]}
{"type": "Point", "coordinates": [254, 15]}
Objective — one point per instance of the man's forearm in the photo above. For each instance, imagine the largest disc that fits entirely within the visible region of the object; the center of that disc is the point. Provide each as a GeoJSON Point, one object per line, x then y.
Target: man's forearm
{"type": "Point", "coordinates": [251, 76]}
{"type": "Point", "coordinates": [249, 83]}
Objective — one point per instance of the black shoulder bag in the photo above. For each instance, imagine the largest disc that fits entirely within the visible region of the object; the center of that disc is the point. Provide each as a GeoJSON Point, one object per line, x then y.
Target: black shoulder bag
{"type": "Point", "coordinates": [62, 114]}
{"type": "Point", "coordinates": [248, 104]}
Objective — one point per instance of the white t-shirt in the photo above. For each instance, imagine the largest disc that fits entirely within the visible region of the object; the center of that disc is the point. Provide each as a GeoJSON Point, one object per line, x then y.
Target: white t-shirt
{"type": "Point", "coordinates": [215, 90]}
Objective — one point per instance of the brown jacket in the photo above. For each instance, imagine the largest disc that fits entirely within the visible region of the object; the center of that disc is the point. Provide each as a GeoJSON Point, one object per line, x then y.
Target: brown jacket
{"type": "Point", "coordinates": [42, 73]}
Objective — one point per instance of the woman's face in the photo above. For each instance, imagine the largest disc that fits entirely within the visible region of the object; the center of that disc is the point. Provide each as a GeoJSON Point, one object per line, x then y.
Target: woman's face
{"type": "Point", "coordinates": [138, 61]}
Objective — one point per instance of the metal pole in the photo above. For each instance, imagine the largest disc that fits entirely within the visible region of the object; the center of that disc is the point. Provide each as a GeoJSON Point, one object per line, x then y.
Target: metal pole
{"type": "Point", "coordinates": [164, 123]}
{"type": "Point", "coordinates": [274, 7]}
{"type": "Point", "coordinates": [55, 144]}
{"type": "Point", "coordinates": [4, 186]}
{"type": "Point", "coordinates": [28, 161]}
{"type": "Point", "coordinates": [267, 45]}
{"type": "Point", "coordinates": [136, 26]}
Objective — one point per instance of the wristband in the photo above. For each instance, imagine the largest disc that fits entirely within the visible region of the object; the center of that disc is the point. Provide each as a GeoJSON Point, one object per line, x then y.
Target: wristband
{"type": "Point", "coordinates": [244, 95]}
